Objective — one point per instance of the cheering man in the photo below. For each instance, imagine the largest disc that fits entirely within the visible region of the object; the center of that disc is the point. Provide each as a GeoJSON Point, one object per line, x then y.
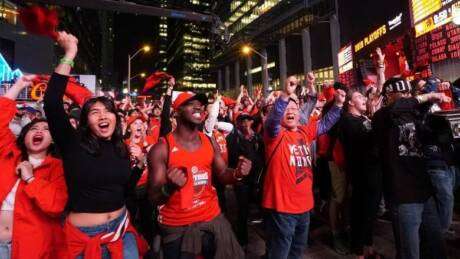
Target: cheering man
{"type": "Point", "coordinates": [288, 184]}
{"type": "Point", "coordinates": [181, 168]}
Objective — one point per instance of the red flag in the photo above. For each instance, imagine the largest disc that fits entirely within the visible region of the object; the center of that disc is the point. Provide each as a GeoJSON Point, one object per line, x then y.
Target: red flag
{"type": "Point", "coordinates": [40, 21]}
{"type": "Point", "coordinates": [228, 101]}
{"type": "Point", "coordinates": [154, 79]}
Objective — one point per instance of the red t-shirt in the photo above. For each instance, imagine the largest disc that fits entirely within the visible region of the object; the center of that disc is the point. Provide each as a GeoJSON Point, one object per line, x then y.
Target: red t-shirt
{"type": "Point", "coordinates": [289, 179]}
{"type": "Point", "coordinates": [197, 200]}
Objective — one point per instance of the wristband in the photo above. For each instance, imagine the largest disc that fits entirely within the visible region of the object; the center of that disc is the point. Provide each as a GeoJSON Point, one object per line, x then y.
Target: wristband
{"type": "Point", "coordinates": [28, 179]}
{"type": "Point", "coordinates": [67, 61]}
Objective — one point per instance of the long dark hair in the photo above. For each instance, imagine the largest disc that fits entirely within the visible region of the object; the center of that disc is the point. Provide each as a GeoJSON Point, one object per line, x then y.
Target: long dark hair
{"type": "Point", "coordinates": [88, 141]}
{"type": "Point", "coordinates": [20, 141]}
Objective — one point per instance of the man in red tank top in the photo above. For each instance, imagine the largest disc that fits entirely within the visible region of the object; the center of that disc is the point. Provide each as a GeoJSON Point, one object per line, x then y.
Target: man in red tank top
{"type": "Point", "coordinates": [181, 167]}
{"type": "Point", "coordinates": [287, 192]}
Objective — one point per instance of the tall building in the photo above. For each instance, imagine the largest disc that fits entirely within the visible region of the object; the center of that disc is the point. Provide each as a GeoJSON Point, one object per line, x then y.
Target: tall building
{"type": "Point", "coordinates": [291, 37]}
{"type": "Point", "coordinates": [95, 32]}
{"type": "Point", "coordinates": [162, 41]}
{"type": "Point", "coordinates": [189, 48]}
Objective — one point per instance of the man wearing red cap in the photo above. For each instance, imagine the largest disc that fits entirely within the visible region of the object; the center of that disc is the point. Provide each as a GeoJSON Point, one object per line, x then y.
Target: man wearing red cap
{"type": "Point", "coordinates": [181, 169]}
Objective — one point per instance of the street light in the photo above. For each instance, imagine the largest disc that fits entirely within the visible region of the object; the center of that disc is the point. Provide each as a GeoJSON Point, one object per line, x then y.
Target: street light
{"type": "Point", "coordinates": [140, 74]}
{"type": "Point", "coordinates": [146, 49]}
{"type": "Point", "coordinates": [246, 50]}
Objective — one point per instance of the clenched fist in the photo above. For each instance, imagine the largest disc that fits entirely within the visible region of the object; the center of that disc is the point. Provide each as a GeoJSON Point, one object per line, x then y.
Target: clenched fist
{"type": "Point", "coordinates": [243, 167]}
{"type": "Point", "coordinates": [25, 170]}
{"type": "Point", "coordinates": [68, 43]}
{"type": "Point", "coordinates": [177, 176]}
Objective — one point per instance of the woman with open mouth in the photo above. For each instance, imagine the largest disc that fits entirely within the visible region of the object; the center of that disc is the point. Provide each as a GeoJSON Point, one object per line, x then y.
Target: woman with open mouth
{"type": "Point", "coordinates": [33, 191]}
{"type": "Point", "coordinates": [97, 169]}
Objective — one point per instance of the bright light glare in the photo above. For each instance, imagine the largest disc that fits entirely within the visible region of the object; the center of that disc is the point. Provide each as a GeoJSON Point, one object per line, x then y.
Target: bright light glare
{"type": "Point", "coordinates": [246, 49]}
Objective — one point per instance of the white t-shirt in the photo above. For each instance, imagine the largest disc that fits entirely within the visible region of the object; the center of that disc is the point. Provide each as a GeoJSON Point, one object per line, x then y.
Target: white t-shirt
{"type": "Point", "coordinates": [8, 203]}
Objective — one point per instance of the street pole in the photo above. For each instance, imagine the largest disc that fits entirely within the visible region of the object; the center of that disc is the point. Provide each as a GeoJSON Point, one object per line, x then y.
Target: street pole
{"type": "Point", "coordinates": [264, 71]}
{"type": "Point", "coordinates": [264, 57]}
{"type": "Point", "coordinates": [129, 74]}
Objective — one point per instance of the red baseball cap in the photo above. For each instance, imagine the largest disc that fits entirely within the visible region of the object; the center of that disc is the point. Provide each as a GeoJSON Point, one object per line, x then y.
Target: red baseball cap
{"type": "Point", "coordinates": [187, 97]}
{"type": "Point", "coordinates": [132, 119]}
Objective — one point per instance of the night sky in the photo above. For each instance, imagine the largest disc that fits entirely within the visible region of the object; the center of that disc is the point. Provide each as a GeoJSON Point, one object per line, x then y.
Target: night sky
{"type": "Point", "coordinates": [131, 33]}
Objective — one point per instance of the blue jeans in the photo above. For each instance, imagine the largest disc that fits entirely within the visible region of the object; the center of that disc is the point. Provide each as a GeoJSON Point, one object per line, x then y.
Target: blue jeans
{"type": "Point", "coordinates": [5, 250]}
{"type": "Point", "coordinates": [417, 231]}
{"type": "Point", "coordinates": [287, 234]}
{"type": "Point", "coordinates": [129, 241]}
{"type": "Point", "coordinates": [443, 180]}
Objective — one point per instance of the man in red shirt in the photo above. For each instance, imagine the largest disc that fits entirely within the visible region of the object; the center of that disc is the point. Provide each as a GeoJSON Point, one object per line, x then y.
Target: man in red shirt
{"type": "Point", "coordinates": [287, 191]}
{"type": "Point", "coordinates": [181, 169]}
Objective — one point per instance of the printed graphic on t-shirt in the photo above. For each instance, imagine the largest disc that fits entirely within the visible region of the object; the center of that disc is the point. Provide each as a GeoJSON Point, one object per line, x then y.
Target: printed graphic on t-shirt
{"type": "Point", "coordinates": [300, 157]}
{"type": "Point", "coordinates": [408, 143]}
{"type": "Point", "coordinates": [200, 180]}
{"type": "Point", "coordinates": [222, 145]}
{"type": "Point", "coordinates": [367, 125]}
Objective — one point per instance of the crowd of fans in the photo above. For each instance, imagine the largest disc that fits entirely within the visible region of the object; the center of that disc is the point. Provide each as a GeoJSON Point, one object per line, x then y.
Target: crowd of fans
{"type": "Point", "coordinates": [97, 177]}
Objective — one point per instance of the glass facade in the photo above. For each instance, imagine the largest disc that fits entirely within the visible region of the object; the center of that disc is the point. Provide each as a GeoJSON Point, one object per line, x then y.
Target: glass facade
{"type": "Point", "coordinates": [245, 12]}
{"type": "Point", "coordinates": [189, 50]}
{"type": "Point", "coordinates": [8, 12]}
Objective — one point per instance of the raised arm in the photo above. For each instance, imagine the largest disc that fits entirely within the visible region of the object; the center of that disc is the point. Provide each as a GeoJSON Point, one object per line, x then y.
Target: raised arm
{"type": "Point", "coordinates": [211, 121]}
{"type": "Point", "coordinates": [311, 79]}
{"type": "Point", "coordinates": [273, 122]}
{"type": "Point", "coordinates": [61, 130]}
{"type": "Point", "coordinates": [380, 70]}
{"type": "Point", "coordinates": [7, 112]}
{"type": "Point", "coordinates": [166, 126]}
{"type": "Point", "coordinates": [333, 115]}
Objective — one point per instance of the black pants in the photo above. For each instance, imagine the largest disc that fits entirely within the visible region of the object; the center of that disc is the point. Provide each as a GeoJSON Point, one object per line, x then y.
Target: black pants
{"type": "Point", "coordinates": [365, 199]}
{"type": "Point", "coordinates": [172, 250]}
{"type": "Point", "coordinates": [242, 193]}
{"type": "Point", "coordinates": [322, 178]}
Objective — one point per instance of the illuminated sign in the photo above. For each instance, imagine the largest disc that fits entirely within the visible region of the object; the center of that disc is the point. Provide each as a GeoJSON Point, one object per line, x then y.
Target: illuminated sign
{"type": "Point", "coordinates": [436, 20]}
{"type": "Point", "coordinates": [456, 13]}
{"type": "Point", "coordinates": [6, 73]}
{"type": "Point", "coordinates": [422, 8]}
{"type": "Point", "coordinates": [395, 22]}
{"type": "Point", "coordinates": [438, 45]}
{"type": "Point", "coordinates": [382, 30]}
{"type": "Point", "coordinates": [345, 58]}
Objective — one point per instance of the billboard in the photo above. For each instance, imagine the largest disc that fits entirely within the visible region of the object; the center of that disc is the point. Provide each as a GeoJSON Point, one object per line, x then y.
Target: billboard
{"type": "Point", "coordinates": [432, 14]}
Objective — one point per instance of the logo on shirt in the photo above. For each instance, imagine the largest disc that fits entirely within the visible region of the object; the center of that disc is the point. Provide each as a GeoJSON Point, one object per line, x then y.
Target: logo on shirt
{"type": "Point", "coordinates": [174, 149]}
{"type": "Point", "coordinates": [200, 180]}
{"type": "Point", "coordinates": [301, 158]}
{"type": "Point", "coordinates": [408, 142]}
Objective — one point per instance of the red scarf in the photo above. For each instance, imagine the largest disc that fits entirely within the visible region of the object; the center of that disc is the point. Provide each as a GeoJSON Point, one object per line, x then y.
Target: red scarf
{"type": "Point", "coordinates": [78, 242]}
